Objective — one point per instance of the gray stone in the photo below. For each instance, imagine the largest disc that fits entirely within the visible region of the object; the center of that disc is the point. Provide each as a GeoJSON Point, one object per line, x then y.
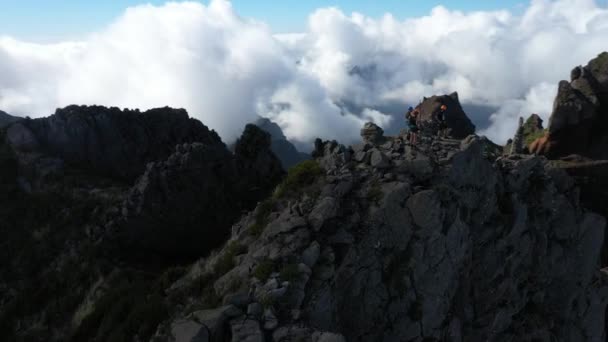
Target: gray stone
{"type": "Point", "coordinates": [285, 223]}
{"type": "Point", "coordinates": [271, 284]}
{"type": "Point", "coordinates": [270, 320]}
{"type": "Point", "coordinates": [210, 321]}
{"type": "Point", "coordinates": [327, 337]}
{"type": "Point", "coordinates": [240, 299]}
{"type": "Point", "coordinates": [379, 160]}
{"type": "Point", "coordinates": [361, 147]}
{"type": "Point", "coordinates": [425, 208]}
{"type": "Point", "coordinates": [362, 157]}
{"type": "Point", "coordinates": [291, 333]}
{"type": "Point", "coordinates": [327, 208]}
{"type": "Point", "coordinates": [420, 167]}
{"type": "Point", "coordinates": [276, 293]}
{"type": "Point", "coordinates": [189, 331]}
{"type": "Point", "coordinates": [311, 254]}
{"type": "Point", "coordinates": [246, 330]}
{"type": "Point", "coordinates": [255, 310]}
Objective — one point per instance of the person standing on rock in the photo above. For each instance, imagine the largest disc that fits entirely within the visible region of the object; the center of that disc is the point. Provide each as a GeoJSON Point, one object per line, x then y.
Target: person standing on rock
{"type": "Point", "coordinates": [412, 121]}
{"type": "Point", "coordinates": [441, 118]}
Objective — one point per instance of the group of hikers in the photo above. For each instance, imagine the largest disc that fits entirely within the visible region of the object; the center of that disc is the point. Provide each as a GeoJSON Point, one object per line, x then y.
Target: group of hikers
{"type": "Point", "coordinates": [412, 117]}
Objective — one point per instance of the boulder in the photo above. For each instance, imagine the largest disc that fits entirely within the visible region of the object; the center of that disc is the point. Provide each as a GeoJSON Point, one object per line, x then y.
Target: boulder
{"type": "Point", "coordinates": [246, 330]}
{"type": "Point", "coordinates": [379, 160]}
{"type": "Point", "coordinates": [204, 325]}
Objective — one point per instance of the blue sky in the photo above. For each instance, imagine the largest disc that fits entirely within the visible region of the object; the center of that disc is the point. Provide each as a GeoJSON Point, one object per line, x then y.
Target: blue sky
{"type": "Point", "coordinates": [44, 20]}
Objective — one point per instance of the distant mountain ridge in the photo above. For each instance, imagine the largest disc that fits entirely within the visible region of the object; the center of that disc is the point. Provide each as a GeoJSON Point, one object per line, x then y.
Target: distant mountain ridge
{"type": "Point", "coordinates": [282, 148]}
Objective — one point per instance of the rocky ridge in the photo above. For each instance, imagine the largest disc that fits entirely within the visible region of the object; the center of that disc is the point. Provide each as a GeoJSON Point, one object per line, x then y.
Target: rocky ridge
{"type": "Point", "coordinates": [87, 246]}
{"type": "Point", "coordinates": [108, 141]}
{"type": "Point", "coordinates": [391, 242]}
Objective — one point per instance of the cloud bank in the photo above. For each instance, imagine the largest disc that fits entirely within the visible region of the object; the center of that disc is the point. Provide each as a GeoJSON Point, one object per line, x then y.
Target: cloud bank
{"type": "Point", "coordinates": [325, 82]}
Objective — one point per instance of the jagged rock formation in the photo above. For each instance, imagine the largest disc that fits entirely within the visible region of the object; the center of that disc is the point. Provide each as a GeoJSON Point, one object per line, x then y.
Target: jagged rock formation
{"type": "Point", "coordinates": [442, 241]}
{"type": "Point", "coordinates": [259, 169]}
{"type": "Point", "coordinates": [6, 119]}
{"type": "Point", "coordinates": [109, 141]}
{"type": "Point", "coordinates": [533, 125]}
{"type": "Point", "coordinates": [527, 132]}
{"type": "Point", "coordinates": [281, 147]}
{"type": "Point", "coordinates": [184, 205]}
{"type": "Point", "coordinates": [517, 146]}
{"type": "Point", "coordinates": [579, 121]}
{"type": "Point", "coordinates": [459, 125]}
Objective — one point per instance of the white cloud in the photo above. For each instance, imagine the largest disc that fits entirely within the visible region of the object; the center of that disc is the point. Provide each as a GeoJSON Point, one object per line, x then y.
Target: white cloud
{"type": "Point", "coordinates": [323, 82]}
{"type": "Point", "coordinates": [539, 100]}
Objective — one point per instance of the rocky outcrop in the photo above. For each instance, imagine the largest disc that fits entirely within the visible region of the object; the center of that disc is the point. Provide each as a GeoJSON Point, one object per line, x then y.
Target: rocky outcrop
{"type": "Point", "coordinates": [109, 141]}
{"type": "Point", "coordinates": [184, 206]}
{"type": "Point", "coordinates": [372, 133]}
{"type": "Point", "coordinates": [527, 133]}
{"type": "Point", "coordinates": [459, 125]}
{"type": "Point", "coordinates": [579, 120]}
{"type": "Point", "coordinates": [281, 147]}
{"type": "Point", "coordinates": [442, 241]}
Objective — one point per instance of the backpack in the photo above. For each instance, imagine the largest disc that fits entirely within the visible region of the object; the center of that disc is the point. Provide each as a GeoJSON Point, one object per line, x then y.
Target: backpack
{"type": "Point", "coordinates": [411, 119]}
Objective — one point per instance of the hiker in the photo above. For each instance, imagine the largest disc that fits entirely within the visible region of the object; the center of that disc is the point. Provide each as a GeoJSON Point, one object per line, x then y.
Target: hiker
{"type": "Point", "coordinates": [441, 118]}
{"type": "Point", "coordinates": [412, 121]}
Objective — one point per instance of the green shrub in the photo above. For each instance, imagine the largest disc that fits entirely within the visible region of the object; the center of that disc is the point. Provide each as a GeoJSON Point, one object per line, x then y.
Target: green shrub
{"type": "Point", "coordinates": [263, 270]}
{"type": "Point", "coordinates": [298, 177]}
